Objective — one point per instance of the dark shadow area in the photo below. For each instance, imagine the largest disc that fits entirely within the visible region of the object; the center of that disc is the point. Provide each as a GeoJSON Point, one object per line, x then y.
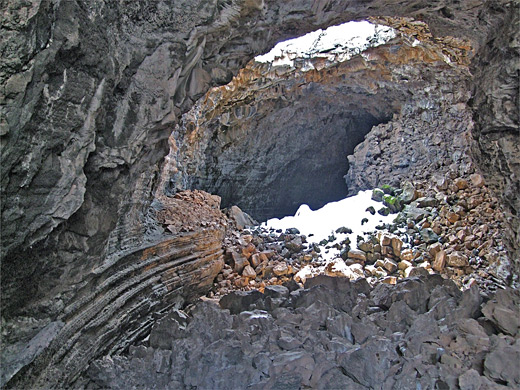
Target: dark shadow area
{"type": "Point", "coordinates": [289, 153]}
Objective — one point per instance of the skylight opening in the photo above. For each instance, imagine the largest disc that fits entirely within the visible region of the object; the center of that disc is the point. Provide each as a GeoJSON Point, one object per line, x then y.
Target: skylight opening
{"type": "Point", "coordinates": [336, 43]}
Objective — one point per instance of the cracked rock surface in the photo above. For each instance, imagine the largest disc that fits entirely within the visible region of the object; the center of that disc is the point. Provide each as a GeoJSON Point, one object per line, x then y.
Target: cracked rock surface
{"type": "Point", "coordinates": [90, 93]}
{"type": "Point", "coordinates": [422, 333]}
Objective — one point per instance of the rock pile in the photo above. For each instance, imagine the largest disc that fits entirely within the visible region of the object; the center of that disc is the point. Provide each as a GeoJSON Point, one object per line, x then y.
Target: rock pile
{"type": "Point", "coordinates": [254, 261]}
{"type": "Point", "coordinates": [422, 333]}
{"type": "Point", "coordinates": [452, 226]}
{"type": "Point", "coordinates": [188, 211]}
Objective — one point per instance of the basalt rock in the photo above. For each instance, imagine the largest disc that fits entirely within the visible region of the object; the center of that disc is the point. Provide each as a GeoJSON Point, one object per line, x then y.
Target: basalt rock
{"type": "Point", "coordinates": [91, 92]}
{"type": "Point", "coordinates": [118, 301]}
{"type": "Point", "coordinates": [332, 334]}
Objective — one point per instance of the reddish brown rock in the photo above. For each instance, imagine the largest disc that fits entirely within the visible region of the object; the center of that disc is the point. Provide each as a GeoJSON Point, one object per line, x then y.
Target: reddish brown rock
{"type": "Point", "coordinates": [457, 259]}
{"type": "Point", "coordinates": [281, 269]}
{"type": "Point", "coordinates": [357, 254]}
{"type": "Point", "coordinates": [397, 245]}
{"type": "Point", "coordinates": [434, 249]}
{"type": "Point", "coordinates": [249, 272]}
{"type": "Point", "coordinates": [452, 217]}
{"type": "Point", "coordinates": [248, 250]}
{"type": "Point", "coordinates": [390, 265]}
{"type": "Point", "coordinates": [461, 184]}
{"type": "Point", "coordinates": [407, 254]}
{"type": "Point", "coordinates": [477, 180]}
{"type": "Point", "coordinates": [440, 261]}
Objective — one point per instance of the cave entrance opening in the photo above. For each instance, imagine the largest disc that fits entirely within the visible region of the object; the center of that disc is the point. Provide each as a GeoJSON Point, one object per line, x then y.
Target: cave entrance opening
{"type": "Point", "coordinates": [279, 134]}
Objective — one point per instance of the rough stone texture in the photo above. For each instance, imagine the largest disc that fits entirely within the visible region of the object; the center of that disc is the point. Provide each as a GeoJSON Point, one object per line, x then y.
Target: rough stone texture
{"type": "Point", "coordinates": [276, 134]}
{"type": "Point", "coordinates": [91, 91]}
{"type": "Point", "coordinates": [496, 106]}
{"type": "Point", "coordinates": [120, 299]}
{"type": "Point", "coordinates": [421, 333]}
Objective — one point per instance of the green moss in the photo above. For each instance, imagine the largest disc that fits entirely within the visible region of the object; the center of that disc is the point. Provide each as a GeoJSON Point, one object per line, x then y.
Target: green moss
{"type": "Point", "coordinates": [387, 189]}
{"type": "Point", "coordinates": [377, 194]}
{"type": "Point", "coordinates": [392, 202]}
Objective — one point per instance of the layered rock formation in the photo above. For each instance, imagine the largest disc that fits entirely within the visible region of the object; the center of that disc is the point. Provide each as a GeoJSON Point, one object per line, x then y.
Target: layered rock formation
{"type": "Point", "coordinates": [120, 299]}
{"type": "Point", "coordinates": [91, 91]}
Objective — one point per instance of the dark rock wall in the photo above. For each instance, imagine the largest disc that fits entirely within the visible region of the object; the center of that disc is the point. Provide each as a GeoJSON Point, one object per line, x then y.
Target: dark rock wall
{"type": "Point", "coordinates": [277, 136]}
{"type": "Point", "coordinates": [91, 90]}
{"type": "Point", "coordinates": [497, 112]}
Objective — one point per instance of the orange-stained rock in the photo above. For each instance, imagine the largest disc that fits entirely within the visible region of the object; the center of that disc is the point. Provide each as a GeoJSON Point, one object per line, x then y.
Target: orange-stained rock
{"type": "Point", "coordinates": [457, 259]}
{"type": "Point", "coordinates": [440, 261]}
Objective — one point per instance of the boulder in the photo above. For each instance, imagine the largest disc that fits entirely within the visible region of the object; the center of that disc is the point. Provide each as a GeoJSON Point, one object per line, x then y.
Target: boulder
{"type": "Point", "coordinates": [440, 261]}
{"type": "Point", "coordinates": [504, 311]}
{"type": "Point", "coordinates": [377, 195]}
{"type": "Point", "coordinates": [390, 265]}
{"type": "Point", "coordinates": [241, 218]}
{"type": "Point", "coordinates": [409, 194]}
{"type": "Point", "coordinates": [397, 244]}
{"type": "Point", "coordinates": [501, 364]}
{"type": "Point", "coordinates": [238, 301]}
{"type": "Point", "coordinates": [338, 268]}
{"type": "Point", "coordinates": [429, 236]}
{"type": "Point", "coordinates": [392, 202]}
{"type": "Point", "coordinates": [477, 180]}
{"type": "Point", "coordinates": [357, 254]}
{"type": "Point", "coordinates": [238, 261]}
{"type": "Point", "coordinates": [249, 272]}
{"type": "Point", "coordinates": [281, 269]}
{"type": "Point", "coordinates": [457, 259]}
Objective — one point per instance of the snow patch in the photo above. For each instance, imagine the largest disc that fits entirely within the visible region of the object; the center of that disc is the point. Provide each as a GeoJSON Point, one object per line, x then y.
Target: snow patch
{"type": "Point", "coordinates": [320, 224]}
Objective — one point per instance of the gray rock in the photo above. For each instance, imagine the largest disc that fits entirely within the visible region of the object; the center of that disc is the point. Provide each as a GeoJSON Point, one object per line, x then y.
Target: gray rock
{"type": "Point", "coordinates": [168, 328]}
{"type": "Point", "coordinates": [501, 364]}
{"type": "Point", "coordinates": [415, 213]}
{"type": "Point", "coordinates": [370, 364]}
{"type": "Point", "coordinates": [470, 380]}
{"type": "Point", "coordinates": [426, 202]}
{"type": "Point", "coordinates": [377, 195]}
{"type": "Point", "coordinates": [13, 363]}
{"type": "Point", "coordinates": [241, 219]}
{"type": "Point", "coordinates": [276, 291]}
{"type": "Point", "coordinates": [408, 194]}
{"type": "Point", "coordinates": [503, 311]}
{"type": "Point", "coordinates": [429, 236]}
{"type": "Point", "coordinates": [238, 301]}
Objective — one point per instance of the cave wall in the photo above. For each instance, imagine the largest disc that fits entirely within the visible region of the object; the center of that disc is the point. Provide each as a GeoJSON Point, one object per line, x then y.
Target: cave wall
{"type": "Point", "coordinates": [496, 105]}
{"type": "Point", "coordinates": [91, 91]}
{"type": "Point", "coordinates": [274, 139]}
{"type": "Point", "coordinates": [279, 136]}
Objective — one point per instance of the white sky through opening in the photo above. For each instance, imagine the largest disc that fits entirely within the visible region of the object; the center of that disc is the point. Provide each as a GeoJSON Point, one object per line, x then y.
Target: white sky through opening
{"type": "Point", "coordinates": [338, 43]}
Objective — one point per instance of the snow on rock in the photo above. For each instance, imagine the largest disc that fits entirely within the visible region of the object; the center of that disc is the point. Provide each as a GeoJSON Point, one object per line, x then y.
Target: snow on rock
{"type": "Point", "coordinates": [321, 224]}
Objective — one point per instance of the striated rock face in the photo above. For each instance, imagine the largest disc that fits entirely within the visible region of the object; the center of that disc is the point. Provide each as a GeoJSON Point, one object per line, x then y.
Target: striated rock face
{"type": "Point", "coordinates": [497, 116]}
{"type": "Point", "coordinates": [91, 91]}
{"type": "Point", "coordinates": [120, 298]}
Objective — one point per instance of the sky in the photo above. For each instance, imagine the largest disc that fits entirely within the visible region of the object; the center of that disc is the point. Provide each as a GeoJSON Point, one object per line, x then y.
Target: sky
{"type": "Point", "coordinates": [340, 42]}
